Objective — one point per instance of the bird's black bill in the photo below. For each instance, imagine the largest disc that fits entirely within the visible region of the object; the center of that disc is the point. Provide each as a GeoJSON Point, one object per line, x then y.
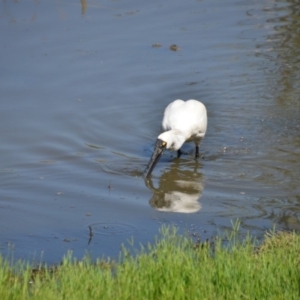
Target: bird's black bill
{"type": "Point", "coordinates": [158, 151]}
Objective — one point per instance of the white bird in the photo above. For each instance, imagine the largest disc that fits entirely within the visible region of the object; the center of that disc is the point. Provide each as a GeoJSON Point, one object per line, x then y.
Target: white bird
{"type": "Point", "coordinates": [184, 121]}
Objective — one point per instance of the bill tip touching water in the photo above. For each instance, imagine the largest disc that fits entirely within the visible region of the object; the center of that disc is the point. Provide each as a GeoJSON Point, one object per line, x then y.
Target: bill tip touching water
{"type": "Point", "coordinates": [183, 121]}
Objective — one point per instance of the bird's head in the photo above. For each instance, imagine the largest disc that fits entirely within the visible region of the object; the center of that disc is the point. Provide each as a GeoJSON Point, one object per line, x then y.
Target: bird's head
{"type": "Point", "coordinates": [172, 140]}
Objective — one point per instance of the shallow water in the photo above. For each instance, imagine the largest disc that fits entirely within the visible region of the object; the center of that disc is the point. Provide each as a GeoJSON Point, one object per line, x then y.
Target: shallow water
{"type": "Point", "coordinates": [83, 88]}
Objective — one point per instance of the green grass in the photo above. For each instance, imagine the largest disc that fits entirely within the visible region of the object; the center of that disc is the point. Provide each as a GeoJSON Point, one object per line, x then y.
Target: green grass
{"type": "Point", "coordinates": [173, 268]}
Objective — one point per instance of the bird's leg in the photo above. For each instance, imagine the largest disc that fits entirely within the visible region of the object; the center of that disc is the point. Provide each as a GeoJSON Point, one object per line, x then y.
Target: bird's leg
{"type": "Point", "coordinates": [179, 153]}
{"type": "Point", "coordinates": [197, 152]}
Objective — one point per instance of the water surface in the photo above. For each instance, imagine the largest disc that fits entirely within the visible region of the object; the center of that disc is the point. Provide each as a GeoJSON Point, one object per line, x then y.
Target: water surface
{"type": "Point", "coordinates": [83, 88]}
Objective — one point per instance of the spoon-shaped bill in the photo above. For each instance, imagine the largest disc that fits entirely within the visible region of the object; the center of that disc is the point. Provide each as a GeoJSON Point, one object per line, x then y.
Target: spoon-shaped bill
{"type": "Point", "coordinates": [158, 151]}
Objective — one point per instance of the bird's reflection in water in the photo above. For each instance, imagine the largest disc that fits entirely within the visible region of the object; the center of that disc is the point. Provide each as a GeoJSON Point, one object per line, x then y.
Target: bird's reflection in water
{"type": "Point", "coordinates": [179, 190]}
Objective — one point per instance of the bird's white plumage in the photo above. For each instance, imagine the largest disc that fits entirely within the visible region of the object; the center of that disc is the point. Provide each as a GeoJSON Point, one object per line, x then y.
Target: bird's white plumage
{"type": "Point", "coordinates": [183, 121]}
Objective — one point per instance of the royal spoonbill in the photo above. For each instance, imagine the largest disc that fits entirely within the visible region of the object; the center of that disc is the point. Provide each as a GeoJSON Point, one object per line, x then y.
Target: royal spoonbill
{"type": "Point", "coordinates": [183, 121]}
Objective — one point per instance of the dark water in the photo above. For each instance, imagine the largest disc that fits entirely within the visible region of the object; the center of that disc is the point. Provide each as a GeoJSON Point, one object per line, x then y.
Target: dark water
{"type": "Point", "coordinates": [83, 88]}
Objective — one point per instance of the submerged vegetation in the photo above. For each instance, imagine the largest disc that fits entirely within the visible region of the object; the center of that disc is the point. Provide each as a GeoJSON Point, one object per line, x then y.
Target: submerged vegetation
{"type": "Point", "coordinates": [173, 268]}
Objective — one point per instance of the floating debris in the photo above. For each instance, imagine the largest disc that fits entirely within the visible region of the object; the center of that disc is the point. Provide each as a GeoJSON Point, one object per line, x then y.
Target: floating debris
{"type": "Point", "coordinates": [174, 47]}
{"type": "Point", "coordinates": [91, 235]}
{"type": "Point", "coordinates": [156, 45]}
{"type": "Point", "coordinates": [192, 83]}
{"type": "Point", "coordinates": [110, 186]}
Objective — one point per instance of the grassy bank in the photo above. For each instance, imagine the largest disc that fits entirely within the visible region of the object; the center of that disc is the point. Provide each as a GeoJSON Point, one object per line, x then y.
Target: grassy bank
{"type": "Point", "coordinates": [173, 268]}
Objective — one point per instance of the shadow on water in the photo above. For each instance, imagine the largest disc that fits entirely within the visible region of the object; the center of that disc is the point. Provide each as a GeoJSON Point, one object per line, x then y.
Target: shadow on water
{"type": "Point", "coordinates": [177, 190]}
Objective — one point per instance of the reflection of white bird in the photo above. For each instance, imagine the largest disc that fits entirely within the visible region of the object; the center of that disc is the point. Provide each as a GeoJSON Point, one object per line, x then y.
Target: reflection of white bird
{"type": "Point", "coordinates": [180, 202]}
{"type": "Point", "coordinates": [182, 122]}
{"type": "Point", "coordinates": [182, 195]}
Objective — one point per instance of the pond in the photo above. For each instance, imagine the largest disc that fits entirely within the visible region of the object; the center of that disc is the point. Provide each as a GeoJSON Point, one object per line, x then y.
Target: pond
{"type": "Point", "coordinates": [83, 88]}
